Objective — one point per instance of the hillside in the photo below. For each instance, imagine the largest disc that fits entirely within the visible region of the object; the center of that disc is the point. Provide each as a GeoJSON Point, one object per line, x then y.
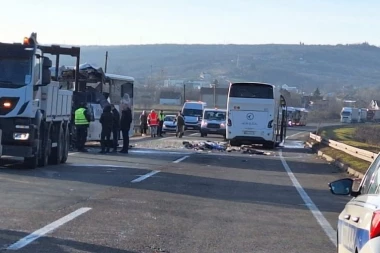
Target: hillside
{"type": "Point", "coordinates": [306, 66]}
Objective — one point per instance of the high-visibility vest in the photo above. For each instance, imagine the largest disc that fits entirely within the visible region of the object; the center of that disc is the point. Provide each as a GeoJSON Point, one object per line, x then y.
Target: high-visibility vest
{"type": "Point", "coordinates": [80, 118]}
{"type": "Point", "coordinates": [161, 117]}
{"type": "Point", "coordinates": [152, 117]}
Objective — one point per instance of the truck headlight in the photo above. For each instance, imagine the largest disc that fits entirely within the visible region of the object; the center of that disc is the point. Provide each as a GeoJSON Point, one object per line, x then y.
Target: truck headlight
{"type": "Point", "coordinates": [222, 125]}
{"type": "Point", "coordinates": [21, 136]}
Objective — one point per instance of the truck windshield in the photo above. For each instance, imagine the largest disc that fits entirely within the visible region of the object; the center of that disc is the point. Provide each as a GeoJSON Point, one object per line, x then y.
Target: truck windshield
{"type": "Point", "coordinates": [192, 112]}
{"type": "Point", "coordinates": [212, 115]}
{"type": "Point", "coordinates": [346, 113]}
{"type": "Point", "coordinates": [15, 71]}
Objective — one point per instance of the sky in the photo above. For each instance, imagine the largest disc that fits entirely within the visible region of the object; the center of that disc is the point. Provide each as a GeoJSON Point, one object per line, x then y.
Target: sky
{"type": "Point", "coordinates": [125, 22]}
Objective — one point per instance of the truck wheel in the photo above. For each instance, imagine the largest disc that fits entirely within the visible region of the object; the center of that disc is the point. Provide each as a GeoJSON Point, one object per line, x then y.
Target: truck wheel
{"type": "Point", "coordinates": [44, 158]}
{"type": "Point", "coordinates": [66, 144]}
{"type": "Point", "coordinates": [31, 162]}
{"type": "Point", "coordinates": [57, 152]}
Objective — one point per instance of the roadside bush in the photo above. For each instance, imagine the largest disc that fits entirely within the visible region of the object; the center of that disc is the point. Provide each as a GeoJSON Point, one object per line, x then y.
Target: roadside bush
{"type": "Point", "coordinates": [368, 134]}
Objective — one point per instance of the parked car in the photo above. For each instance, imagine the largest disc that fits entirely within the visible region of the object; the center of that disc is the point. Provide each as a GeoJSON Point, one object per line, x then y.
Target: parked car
{"type": "Point", "coordinates": [169, 124]}
{"type": "Point", "coordinates": [358, 229]}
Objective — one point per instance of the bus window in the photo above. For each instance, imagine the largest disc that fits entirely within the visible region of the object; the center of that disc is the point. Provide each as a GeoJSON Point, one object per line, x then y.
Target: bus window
{"type": "Point", "coordinates": [247, 90]}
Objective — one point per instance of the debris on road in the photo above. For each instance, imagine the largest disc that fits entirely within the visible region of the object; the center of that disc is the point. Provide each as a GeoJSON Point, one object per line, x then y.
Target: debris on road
{"type": "Point", "coordinates": [222, 146]}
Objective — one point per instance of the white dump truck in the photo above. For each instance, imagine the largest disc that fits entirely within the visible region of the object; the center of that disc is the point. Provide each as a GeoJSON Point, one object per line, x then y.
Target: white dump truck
{"type": "Point", "coordinates": [35, 111]}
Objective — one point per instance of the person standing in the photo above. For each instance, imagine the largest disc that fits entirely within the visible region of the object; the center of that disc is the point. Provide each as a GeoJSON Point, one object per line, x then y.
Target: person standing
{"type": "Point", "coordinates": [153, 123]}
{"type": "Point", "coordinates": [115, 128]}
{"type": "Point", "coordinates": [125, 126]}
{"type": "Point", "coordinates": [143, 123]}
{"type": "Point", "coordinates": [161, 117]}
{"type": "Point", "coordinates": [82, 122]}
{"type": "Point", "coordinates": [180, 125]}
{"type": "Point", "coordinates": [106, 119]}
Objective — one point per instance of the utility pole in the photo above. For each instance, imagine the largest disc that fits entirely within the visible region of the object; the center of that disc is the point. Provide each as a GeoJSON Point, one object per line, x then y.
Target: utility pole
{"type": "Point", "coordinates": [184, 93]}
{"type": "Point", "coordinates": [214, 95]}
{"type": "Point", "coordinates": [106, 63]}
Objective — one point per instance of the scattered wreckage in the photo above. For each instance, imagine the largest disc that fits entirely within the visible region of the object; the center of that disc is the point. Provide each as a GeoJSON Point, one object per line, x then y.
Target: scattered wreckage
{"type": "Point", "coordinates": [222, 147]}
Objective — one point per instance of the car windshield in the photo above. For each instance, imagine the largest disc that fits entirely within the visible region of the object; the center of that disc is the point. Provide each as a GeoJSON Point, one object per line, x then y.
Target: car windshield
{"type": "Point", "coordinates": [169, 118]}
{"type": "Point", "coordinates": [215, 115]}
{"type": "Point", "coordinates": [192, 112]}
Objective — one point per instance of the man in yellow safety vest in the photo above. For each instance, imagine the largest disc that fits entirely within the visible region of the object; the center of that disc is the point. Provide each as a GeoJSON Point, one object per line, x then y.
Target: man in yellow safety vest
{"type": "Point", "coordinates": [82, 122]}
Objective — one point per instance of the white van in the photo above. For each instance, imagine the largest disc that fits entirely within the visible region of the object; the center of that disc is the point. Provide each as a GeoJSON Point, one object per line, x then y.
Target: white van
{"type": "Point", "coordinates": [192, 112]}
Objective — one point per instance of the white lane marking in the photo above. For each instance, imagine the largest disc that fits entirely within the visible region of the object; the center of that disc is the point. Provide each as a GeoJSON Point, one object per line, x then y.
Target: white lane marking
{"type": "Point", "coordinates": [194, 134]}
{"type": "Point", "coordinates": [73, 153]}
{"type": "Point", "coordinates": [294, 135]}
{"type": "Point", "coordinates": [330, 232]}
{"type": "Point", "coordinates": [49, 228]}
{"type": "Point", "coordinates": [143, 177]}
{"type": "Point", "coordinates": [181, 159]}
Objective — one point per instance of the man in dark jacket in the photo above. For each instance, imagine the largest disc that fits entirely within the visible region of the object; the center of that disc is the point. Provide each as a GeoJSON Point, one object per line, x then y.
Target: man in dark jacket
{"type": "Point", "coordinates": [180, 125]}
{"type": "Point", "coordinates": [82, 122]}
{"type": "Point", "coordinates": [115, 128]}
{"type": "Point", "coordinates": [161, 117]}
{"type": "Point", "coordinates": [125, 126]}
{"type": "Point", "coordinates": [106, 119]}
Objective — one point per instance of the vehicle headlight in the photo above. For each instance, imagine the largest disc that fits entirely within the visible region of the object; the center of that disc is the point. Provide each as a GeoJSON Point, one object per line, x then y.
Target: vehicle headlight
{"type": "Point", "coordinates": [21, 136]}
{"type": "Point", "coordinates": [203, 123]}
{"type": "Point", "coordinates": [164, 125]}
{"type": "Point", "coordinates": [222, 125]}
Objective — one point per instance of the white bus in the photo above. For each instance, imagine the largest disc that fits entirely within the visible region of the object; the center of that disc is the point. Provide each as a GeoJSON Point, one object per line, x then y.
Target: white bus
{"type": "Point", "coordinates": [256, 114]}
{"type": "Point", "coordinates": [116, 88]}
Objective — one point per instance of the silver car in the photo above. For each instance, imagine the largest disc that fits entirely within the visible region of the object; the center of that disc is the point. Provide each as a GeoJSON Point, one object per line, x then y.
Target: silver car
{"type": "Point", "coordinates": [213, 122]}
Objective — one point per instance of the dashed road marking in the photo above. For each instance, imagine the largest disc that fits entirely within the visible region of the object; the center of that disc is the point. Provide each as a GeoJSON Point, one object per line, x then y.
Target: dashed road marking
{"type": "Point", "coordinates": [181, 159]}
{"type": "Point", "coordinates": [49, 228]}
{"type": "Point", "coordinates": [143, 177]}
{"type": "Point", "coordinates": [330, 232]}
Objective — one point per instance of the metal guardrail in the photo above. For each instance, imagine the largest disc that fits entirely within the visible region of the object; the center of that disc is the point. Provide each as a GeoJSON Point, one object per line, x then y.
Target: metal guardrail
{"type": "Point", "coordinates": [356, 152]}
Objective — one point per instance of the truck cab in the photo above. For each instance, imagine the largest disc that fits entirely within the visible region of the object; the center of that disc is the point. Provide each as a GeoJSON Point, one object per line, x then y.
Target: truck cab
{"type": "Point", "coordinates": [346, 115]}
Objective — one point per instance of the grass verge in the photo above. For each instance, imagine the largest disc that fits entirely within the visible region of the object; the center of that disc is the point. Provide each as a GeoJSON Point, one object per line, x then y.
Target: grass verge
{"type": "Point", "coordinates": [353, 162]}
{"type": "Point", "coordinates": [345, 134]}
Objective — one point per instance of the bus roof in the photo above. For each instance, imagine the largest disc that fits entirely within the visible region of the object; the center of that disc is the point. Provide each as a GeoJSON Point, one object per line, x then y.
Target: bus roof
{"type": "Point", "coordinates": [252, 83]}
{"type": "Point", "coordinates": [120, 77]}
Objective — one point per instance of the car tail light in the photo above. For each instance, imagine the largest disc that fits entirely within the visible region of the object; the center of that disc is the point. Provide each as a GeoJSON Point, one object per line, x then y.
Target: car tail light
{"type": "Point", "coordinates": [270, 124]}
{"type": "Point", "coordinates": [229, 123]}
{"type": "Point", "coordinates": [375, 225]}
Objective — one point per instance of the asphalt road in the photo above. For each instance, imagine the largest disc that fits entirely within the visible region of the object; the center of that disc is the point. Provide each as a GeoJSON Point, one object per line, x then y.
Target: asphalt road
{"type": "Point", "coordinates": [162, 197]}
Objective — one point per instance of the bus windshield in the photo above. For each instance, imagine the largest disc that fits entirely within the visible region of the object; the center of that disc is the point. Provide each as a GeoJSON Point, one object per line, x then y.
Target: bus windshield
{"type": "Point", "coordinates": [251, 90]}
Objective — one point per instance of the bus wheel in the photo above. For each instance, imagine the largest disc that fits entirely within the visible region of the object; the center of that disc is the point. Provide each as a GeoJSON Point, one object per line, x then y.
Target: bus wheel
{"type": "Point", "coordinates": [269, 145]}
{"type": "Point", "coordinates": [234, 143]}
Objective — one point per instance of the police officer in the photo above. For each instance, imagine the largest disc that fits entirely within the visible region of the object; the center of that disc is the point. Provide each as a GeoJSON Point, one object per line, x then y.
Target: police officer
{"type": "Point", "coordinates": [161, 117]}
{"type": "Point", "coordinates": [82, 122]}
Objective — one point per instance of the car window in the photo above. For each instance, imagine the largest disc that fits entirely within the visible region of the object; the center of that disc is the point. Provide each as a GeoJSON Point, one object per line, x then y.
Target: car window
{"type": "Point", "coordinates": [370, 176]}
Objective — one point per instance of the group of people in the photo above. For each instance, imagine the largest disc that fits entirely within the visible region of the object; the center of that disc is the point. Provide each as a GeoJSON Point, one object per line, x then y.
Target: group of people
{"type": "Point", "coordinates": [112, 123]}
{"type": "Point", "coordinates": [155, 122]}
